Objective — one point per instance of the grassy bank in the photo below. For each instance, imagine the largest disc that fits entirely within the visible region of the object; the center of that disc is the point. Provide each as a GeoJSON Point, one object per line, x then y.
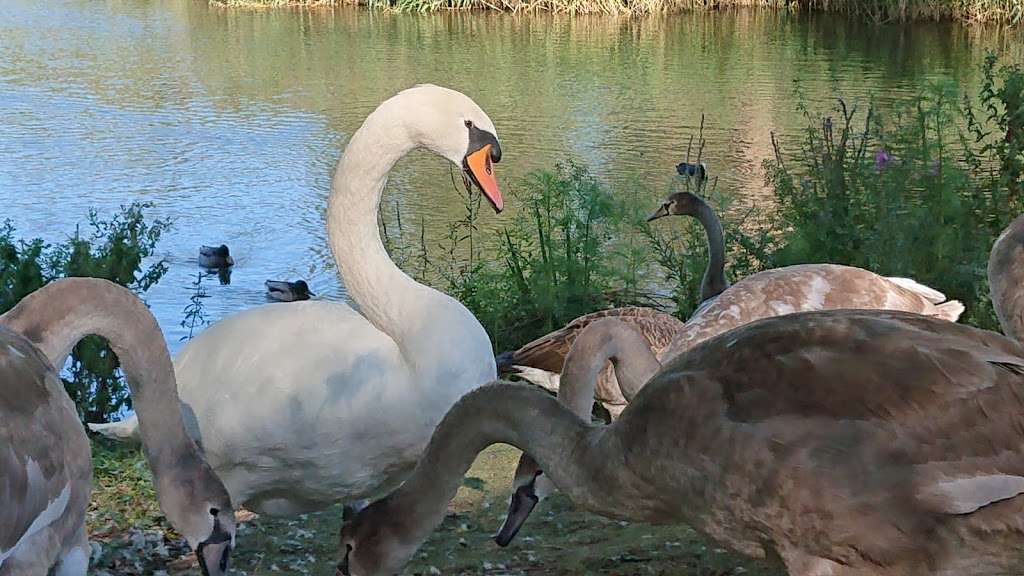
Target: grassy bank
{"type": "Point", "coordinates": [879, 11]}
{"type": "Point", "coordinates": [557, 540]}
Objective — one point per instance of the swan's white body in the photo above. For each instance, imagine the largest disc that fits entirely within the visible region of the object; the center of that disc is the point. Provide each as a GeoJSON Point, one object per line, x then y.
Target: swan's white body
{"type": "Point", "coordinates": [322, 408]}
{"type": "Point", "coordinates": [304, 405]}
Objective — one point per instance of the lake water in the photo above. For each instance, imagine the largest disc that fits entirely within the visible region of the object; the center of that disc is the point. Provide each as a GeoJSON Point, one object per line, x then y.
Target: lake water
{"type": "Point", "coordinates": [230, 122]}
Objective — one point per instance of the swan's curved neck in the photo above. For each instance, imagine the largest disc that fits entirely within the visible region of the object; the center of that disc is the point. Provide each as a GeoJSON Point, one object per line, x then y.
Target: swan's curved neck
{"type": "Point", "coordinates": [384, 293]}
{"type": "Point", "coordinates": [568, 450]}
{"type": "Point", "coordinates": [714, 281]}
{"type": "Point", "coordinates": [1006, 279]}
{"type": "Point", "coordinates": [598, 343]}
{"type": "Point", "coordinates": [423, 322]}
{"type": "Point", "coordinates": [60, 314]}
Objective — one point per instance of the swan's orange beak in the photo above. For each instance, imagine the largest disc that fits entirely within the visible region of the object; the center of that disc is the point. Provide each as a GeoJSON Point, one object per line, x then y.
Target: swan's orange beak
{"type": "Point", "coordinates": [481, 171]}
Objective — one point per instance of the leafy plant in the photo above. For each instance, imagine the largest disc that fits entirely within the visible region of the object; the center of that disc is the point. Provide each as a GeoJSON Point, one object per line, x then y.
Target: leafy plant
{"type": "Point", "coordinates": [194, 312]}
{"type": "Point", "coordinates": [562, 256]}
{"type": "Point", "coordinates": [912, 195]}
{"type": "Point", "coordinates": [115, 250]}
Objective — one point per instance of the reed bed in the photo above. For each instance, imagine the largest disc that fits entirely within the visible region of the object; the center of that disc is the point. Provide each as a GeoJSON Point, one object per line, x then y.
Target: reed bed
{"type": "Point", "coordinates": [877, 11]}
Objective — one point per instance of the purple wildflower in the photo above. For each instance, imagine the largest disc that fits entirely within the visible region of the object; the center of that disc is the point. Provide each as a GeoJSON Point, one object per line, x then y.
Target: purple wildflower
{"type": "Point", "coordinates": [882, 159]}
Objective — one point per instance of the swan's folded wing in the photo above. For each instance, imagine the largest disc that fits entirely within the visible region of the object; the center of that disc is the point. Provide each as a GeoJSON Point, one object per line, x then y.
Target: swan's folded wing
{"type": "Point", "coordinates": [865, 416]}
{"type": "Point", "coordinates": [549, 351]}
{"type": "Point", "coordinates": [32, 500]}
{"type": "Point", "coordinates": [854, 365]}
{"type": "Point", "coordinates": [34, 491]}
{"type": "Point", "coordinates": [969, 494]}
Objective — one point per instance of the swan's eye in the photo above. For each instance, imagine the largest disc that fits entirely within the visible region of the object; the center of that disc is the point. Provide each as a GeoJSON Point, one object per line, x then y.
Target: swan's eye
{"type": "Point", "coordinates": [469, 123]}
{"type": "Point", "coordinates": [214, 512]}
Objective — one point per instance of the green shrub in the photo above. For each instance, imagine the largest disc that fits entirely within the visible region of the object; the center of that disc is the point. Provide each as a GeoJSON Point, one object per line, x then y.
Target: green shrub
{"type": "Point", "coordinates": [921, 194]}
{"type": "Point", "coordinates": [114, 250]}
{"type": "Point", "coordinates": [558, 258]}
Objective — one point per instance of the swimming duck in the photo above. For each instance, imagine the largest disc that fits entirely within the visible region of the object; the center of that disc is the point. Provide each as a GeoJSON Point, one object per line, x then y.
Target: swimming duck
{"type": "Point", "coordinates": [699, 172]}
{"type": "Point", "coordinates": [215, 257]}
{"type": "Point", "coordinates": [285, 291]}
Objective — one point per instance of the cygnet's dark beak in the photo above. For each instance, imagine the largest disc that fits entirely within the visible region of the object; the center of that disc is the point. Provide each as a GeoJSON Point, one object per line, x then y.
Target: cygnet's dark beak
{"type": "Point", "coordinates": [523, 501]}
{"type": "Point", "coordinates": [342, 568]}
{"type": "Point", "coordinates": [661, 212]}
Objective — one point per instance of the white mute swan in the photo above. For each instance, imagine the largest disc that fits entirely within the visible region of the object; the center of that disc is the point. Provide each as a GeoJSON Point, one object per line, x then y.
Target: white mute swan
{"type": "Point", "coordinates": [45, 468]}
{"type": "Point", "coordinates": [835, 443]}
{"type": "Point", "coordinates": [302, 406]}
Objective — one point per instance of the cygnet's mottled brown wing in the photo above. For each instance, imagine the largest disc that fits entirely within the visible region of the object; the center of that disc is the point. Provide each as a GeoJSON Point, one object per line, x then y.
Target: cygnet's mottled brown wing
{"type": "Point", "coordinates": [806, 288]}
{"type": "Point", "coordinates": [549, 351]}
{"type": "Point", "coordinates": [44, 454]}
{"type": "Point", "coordinates": [854, 364]}
{"type": "Point", "coordinates": [840, 428]}
{"type": "Point", "coordinates": [1006, 276]}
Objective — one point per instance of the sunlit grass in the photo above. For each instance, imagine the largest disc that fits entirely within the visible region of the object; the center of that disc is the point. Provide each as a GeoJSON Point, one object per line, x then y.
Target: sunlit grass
{"type": "Point", "coordinates": [122, 494]}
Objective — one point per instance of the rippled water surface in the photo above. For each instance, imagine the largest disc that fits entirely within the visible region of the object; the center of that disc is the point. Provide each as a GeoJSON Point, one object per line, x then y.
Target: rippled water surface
{"type": "Point", "coordinates": [230, 122]}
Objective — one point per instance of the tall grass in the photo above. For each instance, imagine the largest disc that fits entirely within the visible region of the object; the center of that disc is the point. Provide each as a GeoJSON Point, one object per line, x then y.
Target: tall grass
{"type": "Point", "coordinates": [879, 11]}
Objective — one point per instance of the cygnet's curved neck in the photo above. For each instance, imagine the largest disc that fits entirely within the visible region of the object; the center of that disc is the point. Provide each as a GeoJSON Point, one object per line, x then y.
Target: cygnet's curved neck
{"type": "Point", "coordinates": [714, 281]}
{"type": "Point", "coordinates": [60, 314]}
{"type": "Point", "coordinates": [604, 340]}
{"type": "Point", "coordinates": [1006, 279]}
{"type": "Point", "coordinates": [568, 450]}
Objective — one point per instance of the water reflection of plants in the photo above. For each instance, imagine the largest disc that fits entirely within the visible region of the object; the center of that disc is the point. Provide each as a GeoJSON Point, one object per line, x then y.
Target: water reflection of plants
{"type": "Point", "coordinates": [876, 11]}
